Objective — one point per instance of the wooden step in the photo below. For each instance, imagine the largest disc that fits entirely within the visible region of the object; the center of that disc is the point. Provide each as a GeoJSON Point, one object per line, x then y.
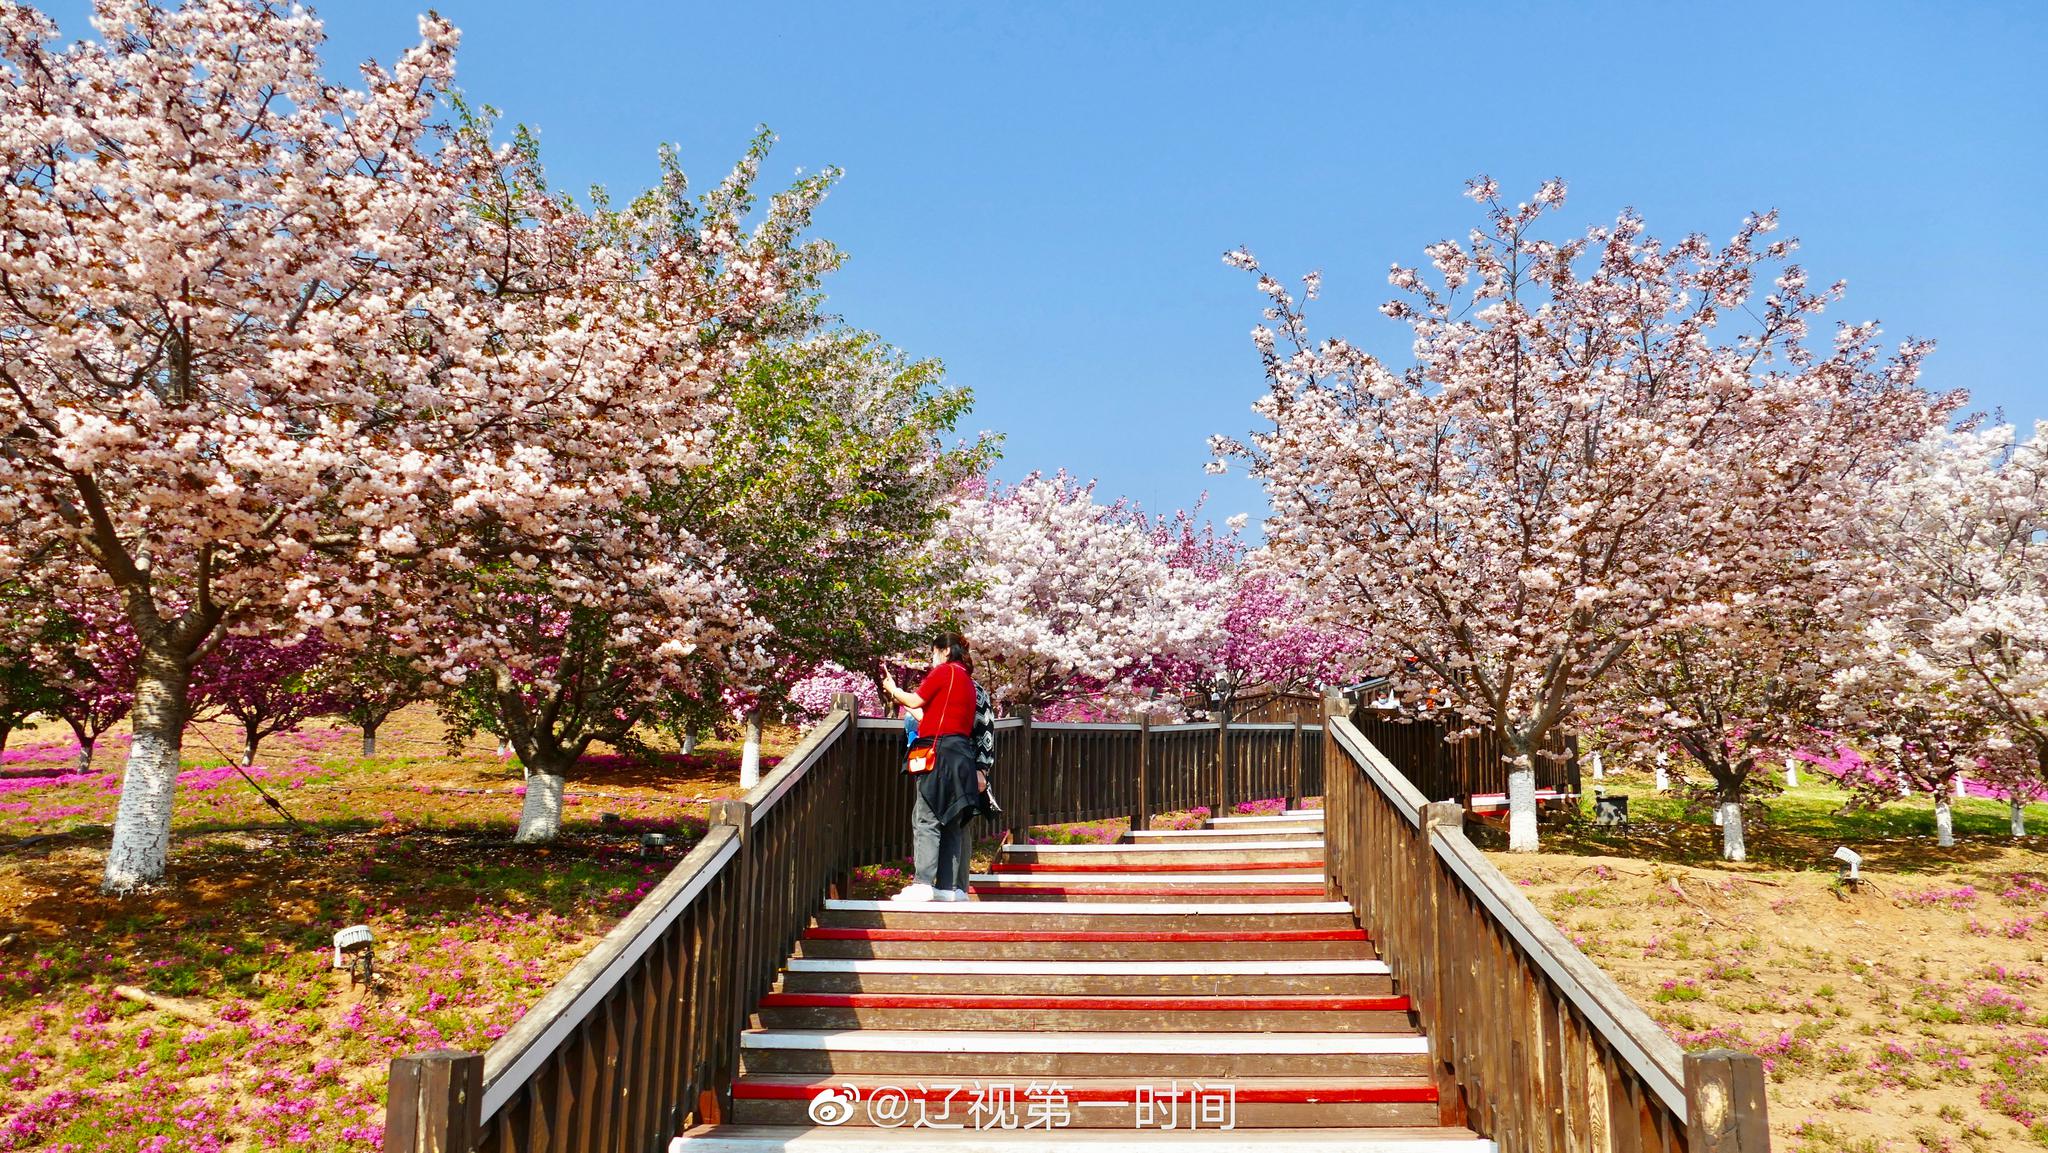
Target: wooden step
{"type": "Point", "coordinates": [1306, 817]}
{"type": "Point", "coordinates": [851, 1139]}
{"type": "Point", "coordinates": [1076, 980]}
{"type": "Point", "coordinates": [1086, 1102]}
{"type": "Point", "coordinates": [1000, 1054]}
{"type": "Point", "coordinates": [1132, 916]}
{"type": "Point", "coordinates": [1165, 858]}
{"type": "Point", "coordinates": [1143, 1013]}
{"type": "Point", "coordinates": [1226, 836]}
{"type": "Point", "coordinates": [1083, 944]}
{"type": "Point", "coordinates": [1073, 890]}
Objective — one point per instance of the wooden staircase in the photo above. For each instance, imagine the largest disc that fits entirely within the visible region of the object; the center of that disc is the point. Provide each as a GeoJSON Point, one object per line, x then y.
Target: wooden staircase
{"type": "Point", "coordinates": [1180, 987]}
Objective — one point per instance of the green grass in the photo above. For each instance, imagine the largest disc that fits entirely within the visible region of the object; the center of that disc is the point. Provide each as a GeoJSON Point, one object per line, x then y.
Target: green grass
{"type": "Point", "coordinates": [1800, 828]}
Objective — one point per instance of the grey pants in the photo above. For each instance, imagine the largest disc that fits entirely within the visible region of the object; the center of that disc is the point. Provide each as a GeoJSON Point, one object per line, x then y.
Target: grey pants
{"type": "Point", "coordinates": [943, 853]}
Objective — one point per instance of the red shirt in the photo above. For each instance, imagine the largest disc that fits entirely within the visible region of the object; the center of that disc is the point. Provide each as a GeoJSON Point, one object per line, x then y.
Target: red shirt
{"type": "Point", "coordinates": [948, 696]}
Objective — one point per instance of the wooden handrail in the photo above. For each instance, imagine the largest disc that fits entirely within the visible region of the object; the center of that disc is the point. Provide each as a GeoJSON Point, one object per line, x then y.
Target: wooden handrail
{"type": "Point", "coordinates": [513, 1057]}
{"type": "Point", "coordinates": [762, 797]}
{"type": "Point", "coordinates": [642, 1034]}
{"type": "Point", "coordinates": [1533, 1045]}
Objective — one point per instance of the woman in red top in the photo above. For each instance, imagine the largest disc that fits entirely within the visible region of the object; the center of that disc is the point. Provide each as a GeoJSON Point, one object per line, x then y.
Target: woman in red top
{"type": "Point", "coordinates": [946, 795]}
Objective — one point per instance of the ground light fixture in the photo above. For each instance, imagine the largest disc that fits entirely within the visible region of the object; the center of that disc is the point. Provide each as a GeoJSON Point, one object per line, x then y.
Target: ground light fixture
{"type": "Point", "coordinates": [352, 952]}
{"type": "Point", "coordinates": [651, 845]}
{"type": "Point", "coordinates": [1851, 861]}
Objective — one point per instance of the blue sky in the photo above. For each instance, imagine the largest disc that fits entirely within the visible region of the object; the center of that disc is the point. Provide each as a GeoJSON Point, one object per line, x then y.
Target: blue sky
{"type": "Point", "coordinates": [1039, 193]}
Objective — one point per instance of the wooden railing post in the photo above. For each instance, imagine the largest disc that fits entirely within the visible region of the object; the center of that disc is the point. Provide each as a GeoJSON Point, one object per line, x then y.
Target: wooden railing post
{"type": "Point", "coordinates": [1725, 1111]}
{"type": "Point", "coordinates": [1427, 975]}
{"type": "Point", "coordinates": [714, 1103]}
{"type": "Point", "coordinates": [435, 1103]}
{"type": "Point", "coordinates": [1294, 765]}
{"type": "Point", "coordinates": [1223, 759]}
{"type": "Point", "coordinates": [1027, 781]}
{"type": "Point", "coordinates": [841, 881]}
{"type": "Point", "coordinates": [1141, 795]}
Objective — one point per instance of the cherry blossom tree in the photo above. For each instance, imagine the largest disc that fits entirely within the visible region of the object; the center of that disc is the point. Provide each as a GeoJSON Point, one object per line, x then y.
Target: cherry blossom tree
{"type": "Point", "coordinates": [1599, 439]}
{"type": "Point", "coordinates": [810, 698]}
{"type": "Point", "coordinates": [1066, 597]}
{"type": "Point", "coordinates": [88, 655]}
{"type": "Point", "coordinates": [24, 690]}
{"type": "Point", "coordinates": [374, 672]}
{"type": "Point", "coordinates": [591, 595]}
{"type": "Point", "coordinates": [264, 686]}
{"type": "Point", "coordinates": [1740, 688]}
{"type": "Point", "coordinates": [216, 261]}
{"type": "Point", "coordinates": [1922, 734]}
{"type": "Point", "coordinates": [1956, 574]}
{"type": "Point", "coordinates": [1268, 637]}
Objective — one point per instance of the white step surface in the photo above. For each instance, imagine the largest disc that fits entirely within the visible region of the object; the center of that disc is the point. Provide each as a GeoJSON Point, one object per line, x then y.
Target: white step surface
{"type": "Point", "coordinates": [1238, 847]}
{"type": "Point", "coordinates": [1262, 877]}
{"type": "Point", "coordinates": [1317, 966]}
{"type": "Point", "coordinates": [1270, 818]}
{"type": "Point", "coordinates": [768, 1139]}
{"type": "Point", "coordinates": [1002, 1041]}
{"type": "Point", "coordinates": [1199, 834]}
{"type": "Point", "coordinates": [1096, 908]}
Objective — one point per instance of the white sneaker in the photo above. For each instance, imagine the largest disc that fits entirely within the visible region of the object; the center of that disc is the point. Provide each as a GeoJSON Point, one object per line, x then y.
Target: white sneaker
{"type": "Point", "coordinates": [914, 895]}
{"type": "Point", "coordinates": [959, 894]}
{"type": "Point", "coordinates": [950, 895]}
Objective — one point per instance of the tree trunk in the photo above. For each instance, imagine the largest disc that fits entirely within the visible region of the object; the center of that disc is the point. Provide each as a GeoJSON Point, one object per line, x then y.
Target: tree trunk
{"type": "Point", "coordinates": [1732, 848]}
{"type": "Point", "coordinates": [250, 739]}
{"type": "Point", "coordinates": [540, 817]}
{"type": "Point", "coordinates": [142, 820]}
{"type": "Point", "coordinates": [1961, 791]}
{"type": "Point", "coordinates": [1663, 771]}
{"type": "Point", "coordinates": [1944, 827]}
{"type": "Point", "coordinates": [369, 740]}
{"type": "Point", "coordinates": [1599, 767]}
{"type": "Point", "coordinates": [750, 753]}
{"type": "Point", "coordinates": [1791, 772]}
{"type": "Point", "coordinates": [2019, 816]}
{"type": "Point", "coordinates": [1522, 811]}
{"type": "Point", "coordinates": [689, 742]}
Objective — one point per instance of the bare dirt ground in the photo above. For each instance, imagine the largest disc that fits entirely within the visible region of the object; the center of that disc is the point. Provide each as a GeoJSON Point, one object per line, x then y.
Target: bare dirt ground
{"type": "Point", "coordinates": [1908, 1014]}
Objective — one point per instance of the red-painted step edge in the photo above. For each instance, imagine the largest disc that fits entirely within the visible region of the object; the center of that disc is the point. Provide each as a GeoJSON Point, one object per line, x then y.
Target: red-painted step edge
{"type": "Point", "coordinates": [1337, 1094]}
{"type": "Point", "coordinates": [1112, 936]}
{"type": "Point", "coordinates": [1134, 1003]}
{"type": "Point", "coordinates": [1054, 867]}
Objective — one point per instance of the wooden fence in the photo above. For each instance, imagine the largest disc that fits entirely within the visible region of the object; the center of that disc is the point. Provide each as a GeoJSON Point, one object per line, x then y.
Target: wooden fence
{"type": "Point", "coordinates": [1059, 773]}
{"type": "Point", "coordinates": [642, 1035]}
{"type": "Point", "coordinates": [1532, 1044]}
{"type": "Point", "coordinates": [1446, 770]}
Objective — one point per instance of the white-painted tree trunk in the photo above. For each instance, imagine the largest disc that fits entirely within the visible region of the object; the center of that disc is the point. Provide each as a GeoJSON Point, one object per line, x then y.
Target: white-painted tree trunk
{"type": "Point", "coordinates": [1944, 827]}
{"type": "Point", "coordinates": [1791, 772]}
{"type": "Point", "coordinates": [1961, 792]}
{"type": "Point", "coordinates": [369, 740]}
{"type": "Point", "coordinates": [1599, 769]}
{"type": "Point", "coordinates": [249, 742]}
{"type": "Point", "coordinates": [2019, 817]}
{"type": "Point", "coordinates": [1522, 811]}
{"type": "Point", "coordinates": [750, 753]}
{"type": "Point", "coordinates": [1732, 848]}
{"type": "Point", "coordinates": [690, 742]}
{"type": "Point", "coordinates": [1905, 787]}
{"type": "Point", "coordinates": [1663, 775]}
{"type": "Point", "coordinates": [141, 844]}
{"type": "Point", "coordinates": [540, 817]}
{"type": "Point", "coordinates": [85, 756]}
